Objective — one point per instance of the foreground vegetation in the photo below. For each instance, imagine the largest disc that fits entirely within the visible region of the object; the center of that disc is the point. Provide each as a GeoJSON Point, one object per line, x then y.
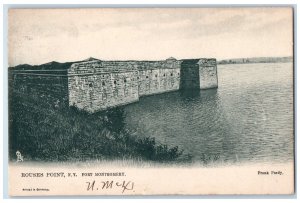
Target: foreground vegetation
{"type": "Point", "coordinates": [45, 132]}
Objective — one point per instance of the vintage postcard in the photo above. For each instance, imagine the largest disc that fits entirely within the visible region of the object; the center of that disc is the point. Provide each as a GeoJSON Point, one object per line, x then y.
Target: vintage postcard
{"type": "Point", "coordinates": [151, 101]}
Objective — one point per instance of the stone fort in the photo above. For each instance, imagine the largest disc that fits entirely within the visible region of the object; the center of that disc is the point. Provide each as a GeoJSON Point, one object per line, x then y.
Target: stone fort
{"type": "Point", "coordinates": [94, 85]}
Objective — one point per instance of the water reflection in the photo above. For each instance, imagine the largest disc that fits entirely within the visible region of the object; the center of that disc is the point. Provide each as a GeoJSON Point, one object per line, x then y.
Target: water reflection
{"type": "Point", "coordinates": [189, 94]}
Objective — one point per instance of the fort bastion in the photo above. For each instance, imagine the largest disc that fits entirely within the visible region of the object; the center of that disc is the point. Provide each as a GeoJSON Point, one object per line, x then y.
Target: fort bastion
{"type": "Point", "coordinates": [94, 85]}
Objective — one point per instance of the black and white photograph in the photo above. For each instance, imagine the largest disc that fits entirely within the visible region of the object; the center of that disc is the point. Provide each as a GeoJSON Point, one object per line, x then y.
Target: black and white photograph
{"type": "Point", "coordinates": [151, 101]}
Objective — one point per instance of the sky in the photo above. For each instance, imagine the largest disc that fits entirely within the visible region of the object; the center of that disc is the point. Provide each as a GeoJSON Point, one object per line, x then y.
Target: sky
{"type": "Point", "coordinates": [37, 36]}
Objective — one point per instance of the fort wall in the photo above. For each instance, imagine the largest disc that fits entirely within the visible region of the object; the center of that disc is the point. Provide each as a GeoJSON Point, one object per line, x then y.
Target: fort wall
{"type": "Point", "coordinates": [189, 75]}
{"type": "Point", "coordinates": [208, 75]}
{"type": "Point", "coordinates": [158, 77]}
{"type": "Point", "coordinates": [95, 85]}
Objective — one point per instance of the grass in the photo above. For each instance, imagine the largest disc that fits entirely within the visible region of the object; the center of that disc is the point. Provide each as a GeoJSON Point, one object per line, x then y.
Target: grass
{"type": "Point", "coordinates": [44, 132]}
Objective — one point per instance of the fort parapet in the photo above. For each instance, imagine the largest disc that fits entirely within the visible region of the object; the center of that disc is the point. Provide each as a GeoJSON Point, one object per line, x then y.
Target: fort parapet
{"type": "Point", "coordinates": [94, 85]}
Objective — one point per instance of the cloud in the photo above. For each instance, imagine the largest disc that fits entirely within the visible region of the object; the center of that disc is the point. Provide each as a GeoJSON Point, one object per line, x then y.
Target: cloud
{"type": "Point", "coordinates": [74, 34]}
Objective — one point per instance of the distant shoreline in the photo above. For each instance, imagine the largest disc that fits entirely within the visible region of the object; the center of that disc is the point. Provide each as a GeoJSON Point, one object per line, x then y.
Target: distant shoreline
{"type": "Point", "coordinates": [256, 60]}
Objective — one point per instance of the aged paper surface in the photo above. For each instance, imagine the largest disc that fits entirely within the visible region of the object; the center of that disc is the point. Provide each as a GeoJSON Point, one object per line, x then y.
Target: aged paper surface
{"type": "Point", "coordinates": [154, 181]}
{"type": "Point", "coordinates": [151, 101]}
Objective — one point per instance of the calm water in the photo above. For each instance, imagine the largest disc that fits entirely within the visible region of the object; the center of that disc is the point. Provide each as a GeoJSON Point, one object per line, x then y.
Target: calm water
{"type": "Point", "coordinates": [249, 118]}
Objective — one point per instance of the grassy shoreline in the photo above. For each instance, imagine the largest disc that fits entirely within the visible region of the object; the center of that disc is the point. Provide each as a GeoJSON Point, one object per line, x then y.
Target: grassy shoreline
{"type": "Point", "coordinates": [42, 131]}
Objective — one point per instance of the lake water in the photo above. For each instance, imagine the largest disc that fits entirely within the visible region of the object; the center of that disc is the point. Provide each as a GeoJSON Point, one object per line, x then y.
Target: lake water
{"type": "Point", "coordinates": [249, 118]}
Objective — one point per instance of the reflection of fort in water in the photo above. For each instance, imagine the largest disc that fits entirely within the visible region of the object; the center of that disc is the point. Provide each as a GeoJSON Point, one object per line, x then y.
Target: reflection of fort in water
{"type": "Point", "coordinates": [95, 85]}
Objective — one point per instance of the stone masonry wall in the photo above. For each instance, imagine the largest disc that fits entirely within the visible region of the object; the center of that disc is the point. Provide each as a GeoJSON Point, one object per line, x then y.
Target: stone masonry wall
{"type": "Point", "coordinates": [208, 73]}
{"type": "Point", "coordinates": [189, 75]}
{"type": "Point", "coordinates": [95, 86]}
{"type": "Point", "coordinates": [158, 81]}
{"type": "Point", "coordinates": [158, 77]}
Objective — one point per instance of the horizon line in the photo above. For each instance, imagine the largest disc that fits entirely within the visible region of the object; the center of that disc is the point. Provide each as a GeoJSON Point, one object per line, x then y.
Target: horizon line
{"type": "Point", "coordinates": [151, 60]}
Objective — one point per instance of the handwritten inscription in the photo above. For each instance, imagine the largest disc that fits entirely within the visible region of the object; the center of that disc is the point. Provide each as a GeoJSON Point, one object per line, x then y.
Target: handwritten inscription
{"type": "Point", "coordinates": [105, 185]}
